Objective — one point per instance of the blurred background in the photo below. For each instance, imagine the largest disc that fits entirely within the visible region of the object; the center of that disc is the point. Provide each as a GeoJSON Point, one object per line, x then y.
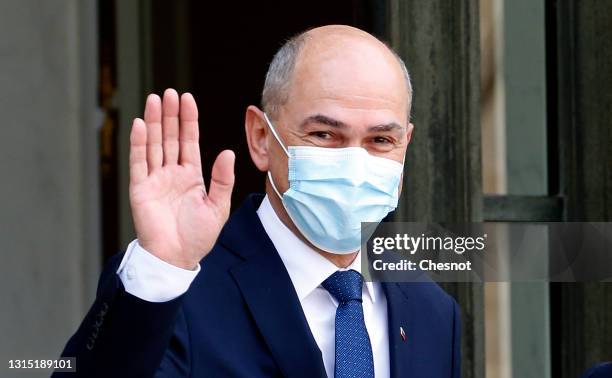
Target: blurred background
{"type": "Point", "coordinates": [513, 116]}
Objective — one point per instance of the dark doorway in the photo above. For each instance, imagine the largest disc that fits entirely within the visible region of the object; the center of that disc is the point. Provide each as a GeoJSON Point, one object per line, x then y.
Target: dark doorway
{"type": "Point", "coordinates": [220, 52]}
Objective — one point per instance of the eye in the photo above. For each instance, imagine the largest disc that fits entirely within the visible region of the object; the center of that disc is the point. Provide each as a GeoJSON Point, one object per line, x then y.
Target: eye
{"type": "Point", "coordinates": [321, 134]}
{"type": "Point", "coordinates": [381, 140]}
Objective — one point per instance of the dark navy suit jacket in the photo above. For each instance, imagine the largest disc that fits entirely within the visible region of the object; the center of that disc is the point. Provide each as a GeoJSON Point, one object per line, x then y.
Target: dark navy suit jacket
{"type": "Point", "coordinates": [602, 370]}
{"type": "Point", "coordinates": [241, 317]}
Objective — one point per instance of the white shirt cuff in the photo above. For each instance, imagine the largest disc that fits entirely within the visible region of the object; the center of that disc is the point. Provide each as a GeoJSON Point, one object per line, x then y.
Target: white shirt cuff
{"type": "Point", "coordinates": [149, 278]}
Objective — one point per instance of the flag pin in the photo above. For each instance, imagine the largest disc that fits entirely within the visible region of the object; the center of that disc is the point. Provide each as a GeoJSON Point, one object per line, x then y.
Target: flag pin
{"type": "Point", "coordinates": [402, 334]}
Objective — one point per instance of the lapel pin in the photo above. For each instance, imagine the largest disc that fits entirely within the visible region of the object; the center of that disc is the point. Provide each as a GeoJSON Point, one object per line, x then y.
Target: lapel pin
{"type": "Point", "coordinates": [402, 334]}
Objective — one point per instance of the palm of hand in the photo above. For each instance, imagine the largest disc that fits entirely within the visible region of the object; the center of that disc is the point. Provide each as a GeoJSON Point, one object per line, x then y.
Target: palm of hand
{"type": "Point", "coordinates": [175, 219]}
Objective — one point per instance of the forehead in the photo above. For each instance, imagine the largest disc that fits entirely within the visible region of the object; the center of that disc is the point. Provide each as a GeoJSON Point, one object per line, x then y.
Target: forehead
{"type": "Point", "coordinates": [351, 73]}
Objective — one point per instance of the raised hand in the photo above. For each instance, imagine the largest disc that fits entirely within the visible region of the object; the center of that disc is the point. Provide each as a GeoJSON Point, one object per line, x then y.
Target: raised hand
{"type": "Point", "coordinates": [175, 218]}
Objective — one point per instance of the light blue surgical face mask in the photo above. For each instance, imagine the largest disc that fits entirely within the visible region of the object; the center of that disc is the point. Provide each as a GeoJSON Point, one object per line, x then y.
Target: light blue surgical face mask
{"type": "Point", "coordinates": [332, 190]}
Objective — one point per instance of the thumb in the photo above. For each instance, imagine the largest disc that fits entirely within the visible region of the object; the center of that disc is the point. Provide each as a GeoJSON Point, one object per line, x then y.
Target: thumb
{"type": "Point", "coordinates": [222, 180]}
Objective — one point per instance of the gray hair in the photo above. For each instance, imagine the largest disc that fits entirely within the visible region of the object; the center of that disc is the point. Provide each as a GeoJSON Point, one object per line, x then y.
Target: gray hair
{"type": "Point", "coordinates": [278, 78]}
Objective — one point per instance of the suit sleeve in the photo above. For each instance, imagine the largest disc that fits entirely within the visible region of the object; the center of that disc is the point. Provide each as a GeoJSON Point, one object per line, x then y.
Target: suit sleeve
{"type": "Point", "coordinates": [456, 340]}
{"type": "Point", "coordinates": [601, 370]}
{"type": "Point", "coordinates": [125, 336]}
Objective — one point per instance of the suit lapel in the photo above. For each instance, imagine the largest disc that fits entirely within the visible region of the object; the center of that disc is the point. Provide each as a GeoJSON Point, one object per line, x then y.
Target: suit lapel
{"type": "Point", "coordinates": [400, 351]}
{"type": "Point", "coordinates": [270, 295]}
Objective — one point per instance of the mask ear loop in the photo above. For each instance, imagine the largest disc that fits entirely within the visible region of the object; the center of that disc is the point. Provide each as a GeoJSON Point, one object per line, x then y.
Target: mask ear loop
{"type": "Point", "coordinates": [403, 172]}
{"type": "Point", "coordinates": [274, 186]}
{"type": "Point", "coordinates": [275, 134]}
{"type": "Point", "coordinates": [282, 146]}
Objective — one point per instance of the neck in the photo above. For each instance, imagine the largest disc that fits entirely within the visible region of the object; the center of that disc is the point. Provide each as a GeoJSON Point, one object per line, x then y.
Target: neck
{"type": "Point", "coordinates": [341, 261]}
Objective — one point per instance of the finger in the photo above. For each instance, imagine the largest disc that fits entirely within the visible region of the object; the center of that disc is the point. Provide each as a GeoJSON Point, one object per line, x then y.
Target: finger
{"type": "Point", "coordinates": [153, 118]}
{"type": "Point", "coordinates": [222, 181]}
{"type": "Point", "coordinates": [138, 152]}
{"type": "Point", "coordinates": [170, 126]}
{"type": "Point", "coordinates": [189, 133]}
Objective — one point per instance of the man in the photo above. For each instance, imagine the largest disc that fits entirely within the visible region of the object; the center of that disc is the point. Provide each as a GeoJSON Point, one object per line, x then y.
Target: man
{"type": "Point", "coordinates": [275, 291]}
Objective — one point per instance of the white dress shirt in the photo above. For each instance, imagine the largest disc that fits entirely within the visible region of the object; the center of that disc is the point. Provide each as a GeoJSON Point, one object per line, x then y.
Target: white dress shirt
{"type": "Point", "coordinates": [149, 278]}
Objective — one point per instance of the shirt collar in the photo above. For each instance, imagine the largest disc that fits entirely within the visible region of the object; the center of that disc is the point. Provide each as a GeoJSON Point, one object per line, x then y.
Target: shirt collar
{"type": "Point", "coordinates": [306, 267]}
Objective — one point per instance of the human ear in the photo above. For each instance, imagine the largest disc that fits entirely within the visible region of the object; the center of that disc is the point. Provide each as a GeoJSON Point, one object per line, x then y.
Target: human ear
{"type": "Point", "coordinates": [255, 128]}
{"type": "Point", "coordinates": [410, 128]}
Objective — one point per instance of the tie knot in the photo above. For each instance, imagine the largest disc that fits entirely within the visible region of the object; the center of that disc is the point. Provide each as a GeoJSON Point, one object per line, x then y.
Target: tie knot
{"type": "Point", "coordinates": [344, 285]}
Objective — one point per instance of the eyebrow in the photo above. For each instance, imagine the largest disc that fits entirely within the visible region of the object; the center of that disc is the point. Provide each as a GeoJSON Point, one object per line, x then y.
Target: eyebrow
{"type": "Point", "coordinates": [386, 127]}
{"type": "Point", "coordinates": [325, 120]}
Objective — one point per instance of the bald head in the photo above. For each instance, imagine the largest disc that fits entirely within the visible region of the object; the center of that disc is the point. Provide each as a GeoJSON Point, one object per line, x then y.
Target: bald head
{"type": "Point", "coordinates": [336, 61]}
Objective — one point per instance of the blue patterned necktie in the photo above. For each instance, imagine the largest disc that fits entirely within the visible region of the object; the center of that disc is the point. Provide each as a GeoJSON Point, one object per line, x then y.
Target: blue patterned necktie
{"type": "Point", "coordinates": [353, 349]}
